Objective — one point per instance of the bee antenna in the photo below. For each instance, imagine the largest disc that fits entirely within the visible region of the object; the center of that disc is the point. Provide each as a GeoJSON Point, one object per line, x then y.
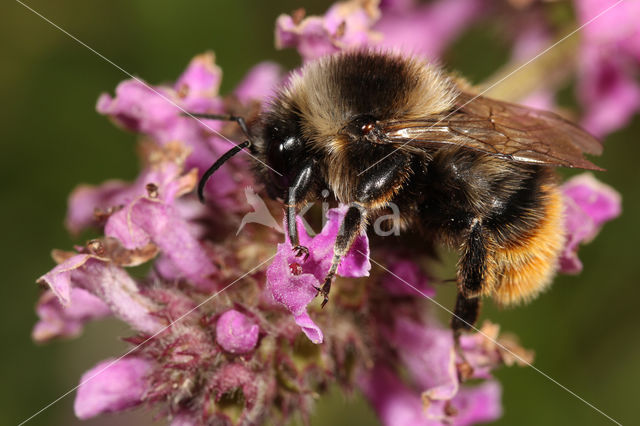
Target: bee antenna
{"type": "Point", "coordinates": [211, 170]}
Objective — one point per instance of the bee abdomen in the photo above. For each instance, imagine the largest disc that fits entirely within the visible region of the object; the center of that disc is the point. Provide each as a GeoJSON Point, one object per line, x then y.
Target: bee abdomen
{"type": "Point", "coordinates": [523, 267]}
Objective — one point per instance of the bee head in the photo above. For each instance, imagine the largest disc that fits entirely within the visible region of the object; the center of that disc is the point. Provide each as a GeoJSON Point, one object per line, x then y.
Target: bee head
{"type": "Point", "coordinates": [333, 110]}
{"type": "Point", "coordinates": [331, 114]}
{"type": "Point", "coordinates": [287, 144]}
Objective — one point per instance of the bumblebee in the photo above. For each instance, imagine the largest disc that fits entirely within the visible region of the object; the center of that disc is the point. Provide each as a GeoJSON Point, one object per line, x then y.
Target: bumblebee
{"type": "Point", "coordinates": [476, 174]}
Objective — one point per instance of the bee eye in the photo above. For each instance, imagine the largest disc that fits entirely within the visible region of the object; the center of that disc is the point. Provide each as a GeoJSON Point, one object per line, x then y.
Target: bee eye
{"type": "Point", "coordinates": [361, 125]}
{"type": "Point", "coordinates": [367, 128]}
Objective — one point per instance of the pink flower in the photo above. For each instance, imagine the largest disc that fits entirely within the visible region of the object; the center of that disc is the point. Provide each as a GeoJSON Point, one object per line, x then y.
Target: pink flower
{"type": "Point", "coordinates": [403, 271]}
{"type": "Point", "coordinates": [145, 221]}
{"type": "Point", "coordinates": [397, 404]}
{"type": "Point", "coordinates": [588, 205]}
{"type": "Point", "coordinates": [345, 25]}
{"type": "Point", "coordinates": [236, 333]}
{"type": "Point", "coordinates": [610, 95]}
{"type": "Point", "coordinates": [617, 26]}
{"type": "Point", "coordinates": [147, 213]}
{"type": "Point", "coordinates": [296, 289]}
{"type": "Point", "coordinates": [88, 204]}
{"type": "Point", "coordinates": [158, 112]}
{"type": "Point", "coordinates": [487, 349]}
{"type": "Point", "coordinates": [260, 82]}
{"type": "Point", "coordinates": [427, 351]}
{"type": "Point", "coordinates": [56, 320]}
{"type": "Point", "coordinates": [109, 283]}
{"type": "Point", "coordinates": [609, 63]}
{"type": "Point", "coordinates": [293, 291]}
{"type": "Point", "coordinates": [111, 386]}
{"type": "Point", "coordinates": [426, 29]}
{"type": "Point", "coordinates": [473, 405]}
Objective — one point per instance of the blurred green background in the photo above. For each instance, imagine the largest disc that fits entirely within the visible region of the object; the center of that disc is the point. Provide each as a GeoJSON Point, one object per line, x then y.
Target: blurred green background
{"type": "Point", "coordinates": [584, 331]}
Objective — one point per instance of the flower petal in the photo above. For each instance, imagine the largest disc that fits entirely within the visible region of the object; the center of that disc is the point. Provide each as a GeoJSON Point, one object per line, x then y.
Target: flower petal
{"type": "Point", "coordinates": [85, 201]}
{"type": "Point", "coordinates": [487, 349]}
{"type": "Point", "coordinates": [405, 278]}
{"type": "Point", "coordinates": [260, 82]}
{"type": "Point", "coordinates": [345, 25]}
{"type": "Point", "coordinates": [397, 404]}
{"type": "Point", "coordinates": [151, 214]}
{"type": "Point", "coordinates": [355, 263]}
{"type": "Point", "coordinates": [201, 80]}
{"type": "Point", "coordinates": [427, 29]}
{"type": "Point", "coordinates": [618, 24]}
{"type": "Point", "coordinates": [608, 91]}
{"type": "Point", "coordinates": [146, 220]}
{"type": "Point", "coordinates": [140, 108]}
{"type": "Point", "coordinates": [56, 320]}
{"type": "Point", "coordinates": [111, 386]}
{"type": "Point", "coordinates": [588, 205]}
{"type": "Point", "coordinates": [109, 283]}
{"type": "Point", "coordinates": [295, 292]}
{"type": "Point", "coordinates": [427, 351]}
{"type": "Point", "coordinates": [609, 59]}
{"type": "Point", "coordinates": [89, 204]}
{"type": "Point", "coordinates": [478, 404]}
{"type": "Point", "coordinates": [59, 278]}
{"type": "Point", "coordinates": [157, 112]}
{"type": "Point", "coordinates": [394, 402]}
{"type": "Point", "coordinates": [309, 328]}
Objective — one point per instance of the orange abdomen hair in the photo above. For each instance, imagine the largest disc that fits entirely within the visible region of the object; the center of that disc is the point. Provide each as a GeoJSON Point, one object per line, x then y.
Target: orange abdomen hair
{"type": "Point", "coordinates": [520, 270]}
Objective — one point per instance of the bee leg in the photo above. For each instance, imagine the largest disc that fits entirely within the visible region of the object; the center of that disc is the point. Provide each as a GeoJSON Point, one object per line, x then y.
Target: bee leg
{"type": "Point", "coordinates": [297, 192]}
{"type": "Point", "coordinates": [472, 264]}
{"type": "Point", "coordinates": [471, 271]}
{"type": "Point", "coordinates": [351, 226]}
{"type": "Point", "coordinates": [465, 314]}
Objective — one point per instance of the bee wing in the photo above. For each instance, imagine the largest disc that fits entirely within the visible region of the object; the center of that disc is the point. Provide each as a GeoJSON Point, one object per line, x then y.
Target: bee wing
{"type": "Point", "coordinates": [514, 132]}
